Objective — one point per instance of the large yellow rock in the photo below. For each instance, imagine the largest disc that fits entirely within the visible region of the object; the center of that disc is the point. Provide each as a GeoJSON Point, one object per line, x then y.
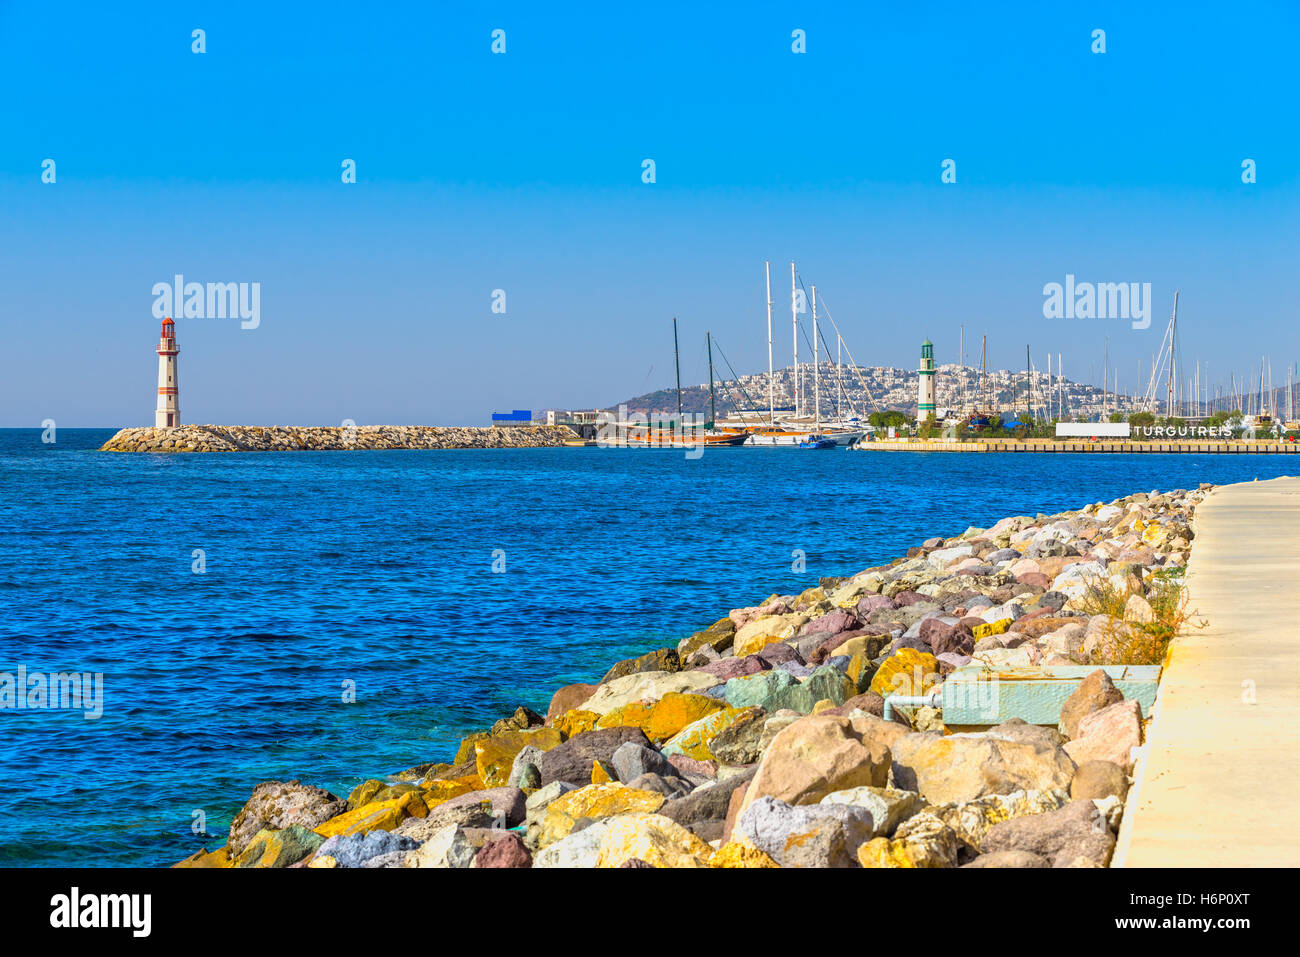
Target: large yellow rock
{"type": "Point", "coordinates": [438, 791]}
{"type": "Point", "coordinates": [634, 714]}
{"type": "Point", "coordinates": [755, 643]}
{"type": "Point", "coordinates": [906, 672]}
{"type": "Point", "coordinates": [466, 750]}
{"type": "Point", "coordinates": [693, 740]}
{"type": "Point", "coordinates": [493, 756]}
{"type": "Point", "coordinates": [664, 718]}
{"type": "Point", "coordinates": [990, 628]}
{"type": "Point", "coordinates": [594, 801]}
{"type": "Point", "coordinates": [575, 722]}
{"type": "Point", "coordinates": [740, 853]}
{"type": "Point", "coordinates": [218, 858]}
{"type": "Point", "coordinates": [378, 816]}
{"type": "Point", "coordinates": [761, 632]}
{"type": "Point", "coordinates": [675, 711]}
{"type": "Point", "coordinates": [653, 838]}
{"type": "Point", "coordinates": [923, 840]}
{"type": "Point", "coordinates": [882, 852]}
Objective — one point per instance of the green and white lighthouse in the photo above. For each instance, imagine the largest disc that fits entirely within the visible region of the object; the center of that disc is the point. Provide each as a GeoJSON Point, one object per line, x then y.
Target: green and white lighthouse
{"type": "Point", "coordinates": [925, 384]}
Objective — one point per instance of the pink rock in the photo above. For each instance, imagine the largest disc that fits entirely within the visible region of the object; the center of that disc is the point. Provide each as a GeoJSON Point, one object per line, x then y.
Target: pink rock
{"type": "Point", "coordinates": [685, 765]}
{"type": "Point", "coordinates": [1108, 735]}
{"type": "Point", "coordinates": [728, 668]}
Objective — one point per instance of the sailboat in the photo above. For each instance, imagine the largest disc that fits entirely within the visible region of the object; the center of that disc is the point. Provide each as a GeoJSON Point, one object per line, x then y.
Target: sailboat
{"type": "Point", "coordinates": [978, 419]}
{"type": "Point", "coordinates": [794, 428]}
{"type": "Point", "coordinates": [678, 435]}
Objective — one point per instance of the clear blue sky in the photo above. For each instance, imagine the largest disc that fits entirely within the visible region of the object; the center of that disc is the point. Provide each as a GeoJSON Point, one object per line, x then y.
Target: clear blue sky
{"type": "Point", "coordinates": [522, 172]}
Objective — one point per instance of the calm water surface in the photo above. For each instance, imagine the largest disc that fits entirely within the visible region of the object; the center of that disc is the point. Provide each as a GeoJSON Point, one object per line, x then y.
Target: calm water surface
{"type": "Point", "coordinates": [376, 568]}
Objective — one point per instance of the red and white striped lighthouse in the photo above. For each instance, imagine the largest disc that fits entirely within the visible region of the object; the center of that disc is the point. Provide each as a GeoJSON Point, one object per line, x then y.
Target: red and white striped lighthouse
{"type": "Point", "coordinates": [168, 413]}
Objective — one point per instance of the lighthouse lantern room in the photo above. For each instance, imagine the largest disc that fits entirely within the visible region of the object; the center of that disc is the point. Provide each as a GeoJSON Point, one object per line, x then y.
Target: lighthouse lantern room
{"type": "Point", "coordinates": [168, 412]}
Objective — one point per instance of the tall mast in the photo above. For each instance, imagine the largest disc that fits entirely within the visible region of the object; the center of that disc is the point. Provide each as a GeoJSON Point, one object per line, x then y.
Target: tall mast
{"type": "Point", "coordinates": [713, 410]}
{"type": "Point", "coordinates": [1049, 385]}
{"type": "Point", "coordinates": [1105, 381]}
{"type": "Point", "coordinates": [817, 381]}
{"type": "Point", "coordinates": [678, 363]}
{"type": "Point", "coordinates": [1060, 388]}
{"type": "Point", "coordinates": [794, 323]}
{"type": "Point", "coordinates": [1029, 386]}
{"type": "Point", "coordinates": [839, 376]}
{"type": "Point", "coordinates": [771, 386]}
{"type": "Point", "coordinates": [961, 367]}
{"type": "Point", "coordinates": [984, 379]}
{"type": "Point", "coordinates": [1173, 361]}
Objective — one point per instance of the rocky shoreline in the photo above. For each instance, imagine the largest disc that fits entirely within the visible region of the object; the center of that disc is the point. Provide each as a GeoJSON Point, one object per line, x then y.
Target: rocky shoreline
{"type": "Point", "coordinates": [234, 438]}
{"type": "Point", "coordinates": [761, 741]}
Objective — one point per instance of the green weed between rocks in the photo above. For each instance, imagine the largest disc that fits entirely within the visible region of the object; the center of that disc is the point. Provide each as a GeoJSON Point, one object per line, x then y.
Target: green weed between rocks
{"type": "Point", "coordinates": [1134, 638]}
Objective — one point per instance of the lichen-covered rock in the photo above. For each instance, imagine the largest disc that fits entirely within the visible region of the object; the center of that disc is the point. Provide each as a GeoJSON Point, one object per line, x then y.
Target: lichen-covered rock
{"type": "Point", "coordinates": [738, 742]}
{"type": "Point", "coordinates": [962, 767]}
{"type": "Point", "coordinates": [277, 804]}
{"type": "Point", "coordinates": [693, 740]}
{"type": "Point", "coordinates": [494, 756]}
{"type": "Point", "coordinates": [580, 849]}
{"type": "Point", "coordinates": [816, 835]}
{"type": "Point", "coordinates": [971, 820]}
{"type": "Point", "coordinates": [906, 672]}
{"type": "Point", "coordinates": [270, 848]}
{"type": "Point", "coordinates": [740, 853]}
{"type": "Point", "coordinates": [594, 801]}
{"type": "Point", "coordinates": [1077, 835]}
{"type": "Point", "coordinates": [377, 816]}
{"type": "Point", "coordinates": [652, 838]}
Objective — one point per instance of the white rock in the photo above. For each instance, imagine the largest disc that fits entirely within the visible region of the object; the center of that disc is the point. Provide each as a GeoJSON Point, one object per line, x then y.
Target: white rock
{"type": "Point", "coordinates": [889, 807]}
{"type": "Point", "coordinates": [575, 850]}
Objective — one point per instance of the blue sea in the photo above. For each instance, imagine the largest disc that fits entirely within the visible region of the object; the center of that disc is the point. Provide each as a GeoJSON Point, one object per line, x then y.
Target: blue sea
{"type": "Point", "coordinates": [335, 616]}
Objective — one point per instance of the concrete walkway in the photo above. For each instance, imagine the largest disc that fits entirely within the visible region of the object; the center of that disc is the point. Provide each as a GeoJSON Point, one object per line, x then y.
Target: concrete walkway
{"type": "Point", "coordinates": [1219, 783]}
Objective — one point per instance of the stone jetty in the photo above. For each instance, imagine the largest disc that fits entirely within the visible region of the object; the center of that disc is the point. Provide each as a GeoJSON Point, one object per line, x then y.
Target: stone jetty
{"type": "Point", "coordinates": [761, 741]}
{"type": "Point", "coordinates": [236, 438]}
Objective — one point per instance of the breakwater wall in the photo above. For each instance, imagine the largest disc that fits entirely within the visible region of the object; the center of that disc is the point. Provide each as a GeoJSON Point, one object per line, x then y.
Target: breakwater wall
{"type": "Point", "coordinates": [235, 438]}
{"type": "Point", "coordinates": [763, 739]}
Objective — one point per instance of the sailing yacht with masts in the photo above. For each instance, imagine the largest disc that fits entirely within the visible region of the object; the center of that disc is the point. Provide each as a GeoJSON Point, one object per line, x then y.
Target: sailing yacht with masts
{"type": "Point", "coordinates": [797, 426]}
{"type": "Point", "coordinates": [677, 434]}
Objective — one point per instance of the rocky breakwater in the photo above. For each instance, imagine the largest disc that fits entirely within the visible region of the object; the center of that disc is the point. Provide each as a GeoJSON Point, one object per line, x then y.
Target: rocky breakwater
{"type": "Point", "coordinates": [233, 438]}
{"type": "Point", "coordinates": [760, 740]}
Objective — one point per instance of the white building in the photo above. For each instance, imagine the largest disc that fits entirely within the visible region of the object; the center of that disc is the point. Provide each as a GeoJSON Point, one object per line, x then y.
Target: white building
{"type": "Point", "coordinates": [168, 413]}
